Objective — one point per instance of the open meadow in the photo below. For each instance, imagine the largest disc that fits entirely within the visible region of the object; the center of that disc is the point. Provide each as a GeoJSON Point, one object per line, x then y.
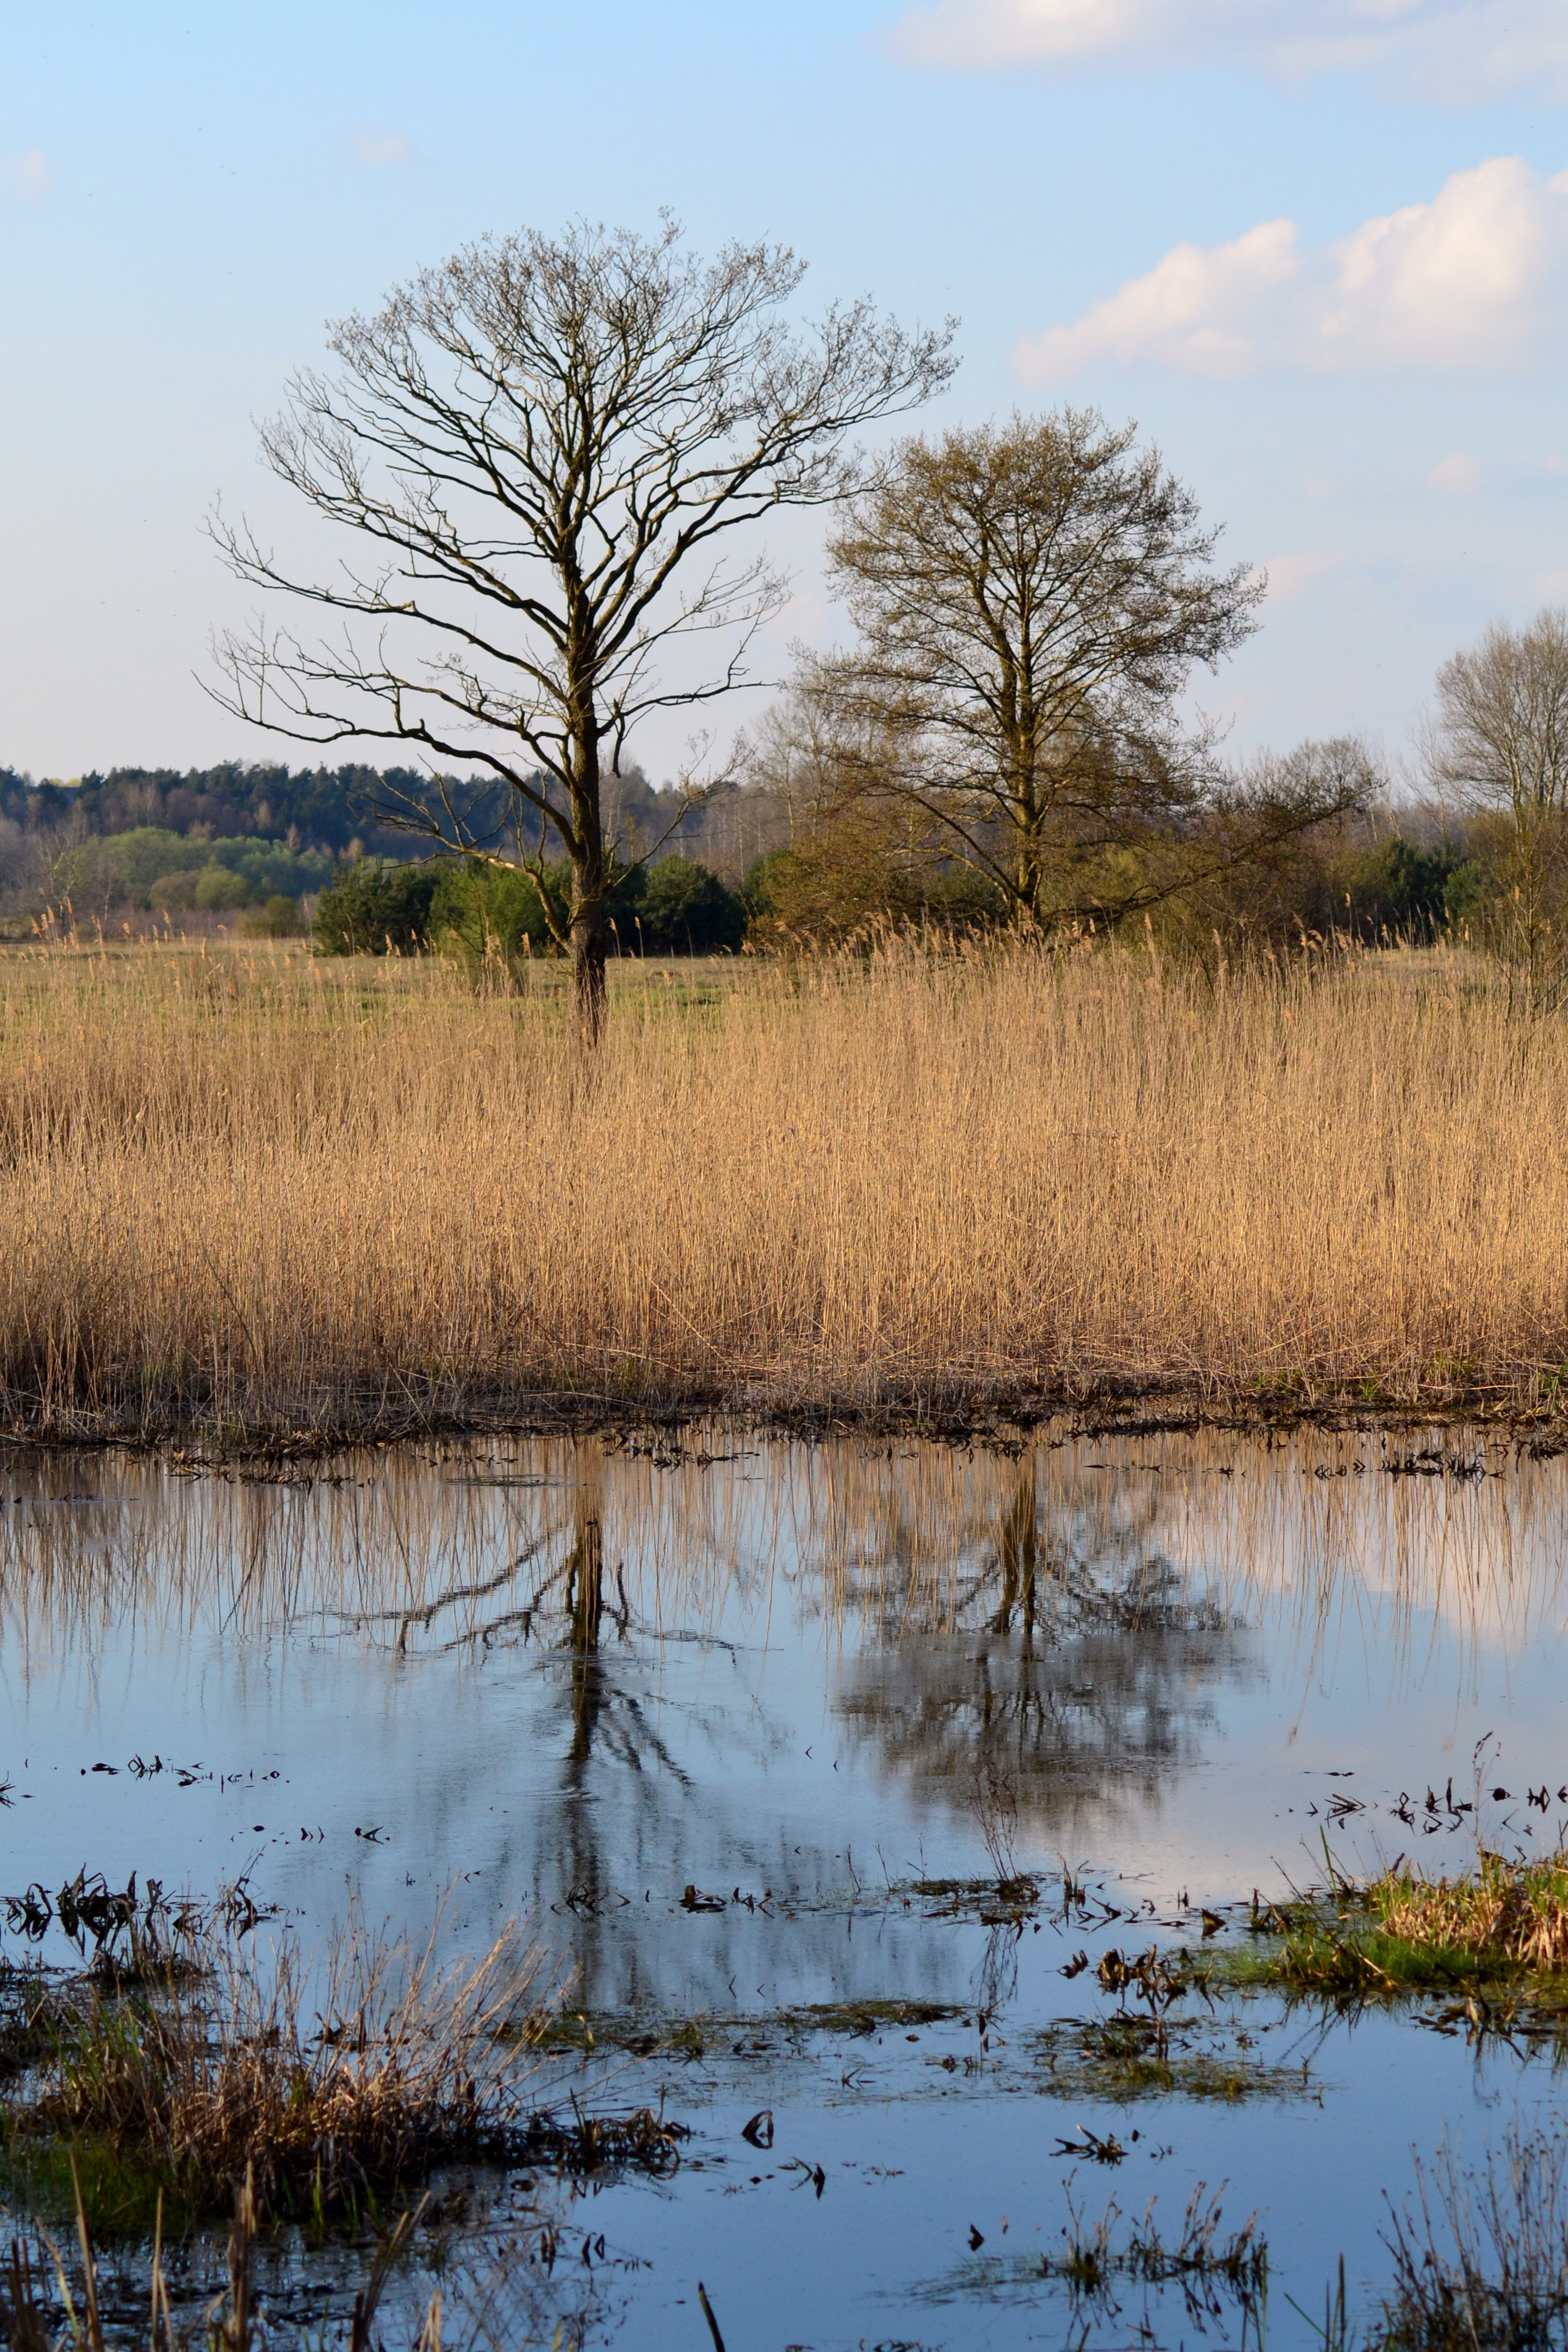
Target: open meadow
{"type": "Point", "coordinates": [260, 1193]}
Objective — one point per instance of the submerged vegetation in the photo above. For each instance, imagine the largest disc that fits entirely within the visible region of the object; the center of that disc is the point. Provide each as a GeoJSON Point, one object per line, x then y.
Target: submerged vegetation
{"type": "Point", "coordinates": [1123, 2059]}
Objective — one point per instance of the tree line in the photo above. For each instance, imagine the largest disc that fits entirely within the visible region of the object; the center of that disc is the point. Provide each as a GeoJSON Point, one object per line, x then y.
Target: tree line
{"type": "Point", "coordinates": [232, 837]}
{"type": "Point", "coordinates": [549, 461]}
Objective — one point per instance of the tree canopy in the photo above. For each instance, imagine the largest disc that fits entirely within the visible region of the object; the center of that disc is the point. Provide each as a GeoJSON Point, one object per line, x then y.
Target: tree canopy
{"type": "Point", "coordinates": [1031, 599]}
{"type": "Point", "coordinates": [540, 450]}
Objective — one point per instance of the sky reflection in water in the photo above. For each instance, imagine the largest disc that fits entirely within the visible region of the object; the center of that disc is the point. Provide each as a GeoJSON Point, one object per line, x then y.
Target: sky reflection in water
{"type": "Point", "coordinates": [555, 1679]}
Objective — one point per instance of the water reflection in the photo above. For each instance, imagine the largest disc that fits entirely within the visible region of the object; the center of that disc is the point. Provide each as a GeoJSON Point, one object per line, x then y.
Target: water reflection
{"type": "Point", "coordinates": [1070, 1664]}
{"type": "Point", "coordinates": [580, 1680]}
{"type": "Point", "coordinates": [572, 1680]}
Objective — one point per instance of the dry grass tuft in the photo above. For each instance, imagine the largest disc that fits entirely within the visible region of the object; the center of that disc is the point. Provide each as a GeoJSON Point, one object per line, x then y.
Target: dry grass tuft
{"type": "Point", "coordinates": [1505, 1912]}
{"type": "Point", "coordinates": [264, 1193]}
{"type": "Point", "coordinates": [1481, 2261]}
{"type": "Point", "coordinates": [213, 2078]}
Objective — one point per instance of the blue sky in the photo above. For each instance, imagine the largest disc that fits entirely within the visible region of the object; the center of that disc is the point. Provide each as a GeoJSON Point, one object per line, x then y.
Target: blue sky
{"type": "Point", "coordinates": [1315, 246]}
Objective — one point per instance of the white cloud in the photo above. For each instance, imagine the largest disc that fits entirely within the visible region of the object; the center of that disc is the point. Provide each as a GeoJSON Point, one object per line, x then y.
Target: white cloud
{"type": "Point", "coordinates": [1290, 574]}
{"type": "Point", "coordinates": [1476, 278]}
{"type": "Point", "coordinates": [1463, 50]}
{"type": "Point", "coordinates": [27, 176]}
{"type": "Point", "coordinates": [1458, 475]}
{"type": "Point", "coordinates": [378, 147]}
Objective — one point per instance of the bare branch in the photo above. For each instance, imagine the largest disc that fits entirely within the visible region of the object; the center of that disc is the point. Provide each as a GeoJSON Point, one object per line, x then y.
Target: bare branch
{"type": "Point", "coordinates": [544, 444]}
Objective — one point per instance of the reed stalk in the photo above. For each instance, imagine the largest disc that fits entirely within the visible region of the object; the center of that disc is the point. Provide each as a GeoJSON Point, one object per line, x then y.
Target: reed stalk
{"type": "Point", "coordinates": [259, 1191]}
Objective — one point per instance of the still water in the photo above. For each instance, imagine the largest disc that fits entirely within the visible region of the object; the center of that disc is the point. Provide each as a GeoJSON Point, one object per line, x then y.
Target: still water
{"type": "Point", "coordinates": [708, 1717]}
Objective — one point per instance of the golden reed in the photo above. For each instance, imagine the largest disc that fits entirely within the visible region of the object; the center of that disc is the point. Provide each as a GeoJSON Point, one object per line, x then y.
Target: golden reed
{"type": "Point", "coordinates": [256, 1190]}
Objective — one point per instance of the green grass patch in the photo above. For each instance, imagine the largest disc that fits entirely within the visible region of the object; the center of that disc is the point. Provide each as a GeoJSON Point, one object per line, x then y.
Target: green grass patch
{"type": "Point", "coordinates": [1503, 1925]}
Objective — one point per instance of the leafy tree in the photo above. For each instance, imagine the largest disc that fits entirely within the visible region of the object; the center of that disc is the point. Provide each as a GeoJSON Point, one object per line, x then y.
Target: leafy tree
{"type": "Point", "coordinates": [1031, 600]}
{"type": "Point", "coordinates": [308, 809]}
{"type": "Point", "coordinates": [217, 888]}
{"type": "Point", "coordinates": [376, 908]}
{"type": "Point", "coordinates": [145, 865]}
{"type": "Point", "coordinates": [543, 446]}
{"type": "Point", "coordinates": [687, 910]}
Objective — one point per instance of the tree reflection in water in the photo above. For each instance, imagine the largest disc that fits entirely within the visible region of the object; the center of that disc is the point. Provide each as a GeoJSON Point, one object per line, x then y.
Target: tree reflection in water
{"type": "Point", "coordinates": [1067, 1663]}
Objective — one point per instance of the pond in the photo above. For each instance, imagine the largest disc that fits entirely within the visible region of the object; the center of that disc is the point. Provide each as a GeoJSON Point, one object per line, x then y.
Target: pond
{"type": "Point", "coordinates": [815, 1769]}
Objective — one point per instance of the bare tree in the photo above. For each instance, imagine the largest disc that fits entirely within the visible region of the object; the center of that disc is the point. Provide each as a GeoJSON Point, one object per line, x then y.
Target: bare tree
{"type": "Point", "coordinates": [1499, 746]}
{"type": "Point", "coordinates": [542, 442]}
{"type": "Point", "coordinates": [1031, 600]}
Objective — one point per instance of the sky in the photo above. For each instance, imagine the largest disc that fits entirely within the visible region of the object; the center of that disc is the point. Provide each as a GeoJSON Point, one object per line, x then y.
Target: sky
{"type": "Point", "coordinates": [1317, 248]}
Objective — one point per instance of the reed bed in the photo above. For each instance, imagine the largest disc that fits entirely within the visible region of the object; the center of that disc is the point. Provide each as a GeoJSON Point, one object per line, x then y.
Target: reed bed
{"type": "Point", "coordinates": [264, 1193]}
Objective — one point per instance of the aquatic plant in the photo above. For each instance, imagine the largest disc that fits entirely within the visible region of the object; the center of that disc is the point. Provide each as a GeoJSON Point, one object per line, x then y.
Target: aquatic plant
{"type": "Point", "coordinates": [1505, 1921]}
{"type": "Point", "coordinates": [1202, 2261]}
{"type": "Point", "coordinates": [213, 2076]}
{"type": "Point", "coordinates": [58, 2296]}
{"type": "Point", "coordinates": [1481, 2261]}
{"type": "Point", "coordinates": [1096, 2261]}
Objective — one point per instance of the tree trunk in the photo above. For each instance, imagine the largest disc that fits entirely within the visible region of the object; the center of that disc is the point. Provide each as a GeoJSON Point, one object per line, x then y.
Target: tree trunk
{"type": "Point", "coordinates": [589, 930]}
{"type": "Point", "coordinates": [585, 1601]}
{"type": "Point", "coordinates": [589, 923]}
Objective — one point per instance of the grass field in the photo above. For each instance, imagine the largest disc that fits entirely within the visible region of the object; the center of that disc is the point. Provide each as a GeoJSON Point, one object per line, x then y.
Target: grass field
{"type": "Point", "coordinates": [259, 1191]}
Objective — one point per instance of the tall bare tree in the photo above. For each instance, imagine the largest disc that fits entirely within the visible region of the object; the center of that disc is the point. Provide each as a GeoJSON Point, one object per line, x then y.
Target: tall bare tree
{"type": "Point", "coordinates": [1499, 746]}
{"type": "Point", "coordinates": [1031, 599]}
{"type": "Point", "coordinates": [542, 445]}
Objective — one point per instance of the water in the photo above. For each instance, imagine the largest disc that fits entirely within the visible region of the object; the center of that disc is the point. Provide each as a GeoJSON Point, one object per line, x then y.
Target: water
{"type": "Point", "coordinates": [559, 1682]}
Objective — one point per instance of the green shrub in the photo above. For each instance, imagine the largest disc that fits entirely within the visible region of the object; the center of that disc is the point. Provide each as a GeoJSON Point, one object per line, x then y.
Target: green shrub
{"type": "Point", "coordinates": [687, 910]}
{"type": "Point", "coordinates": [1469, 893]}
{"type": "Point", "coordinates": [216, 888]}
{"type": "Point", "coordinates": [278, 919]}
{"type": "Point", "coordinates": [479, 910]}
{"type": "Point", "coordinates": [1400, 888]}
{"type": "Point", "coordinates": [761, 889]}
{"type": "Point", "coordinates": [482, 912]}
{"type": "Point", "coordinates": [378, 907]}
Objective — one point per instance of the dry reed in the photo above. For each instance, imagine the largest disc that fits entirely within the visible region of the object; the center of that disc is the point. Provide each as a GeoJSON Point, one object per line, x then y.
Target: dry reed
{"type": "Point", "coordinates": [263, 1193]}
{"type": "Point", "coordinates": [213, 2079]}
{"type": "Point", "coordinates": [1509, 1912]}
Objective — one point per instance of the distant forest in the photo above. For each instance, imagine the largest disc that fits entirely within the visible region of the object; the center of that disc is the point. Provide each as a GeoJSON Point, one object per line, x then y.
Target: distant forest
{"type": "Point", "coordinates": [784, 856]}
{"type": "Point", "coordinates": [211, 839]}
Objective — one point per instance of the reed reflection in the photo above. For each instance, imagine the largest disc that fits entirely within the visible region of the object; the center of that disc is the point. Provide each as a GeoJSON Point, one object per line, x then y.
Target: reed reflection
{"type": "Point", "coordinates": [587, 1677]}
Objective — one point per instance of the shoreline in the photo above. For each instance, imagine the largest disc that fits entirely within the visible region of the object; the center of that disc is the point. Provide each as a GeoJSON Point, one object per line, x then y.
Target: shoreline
{"type": "Point", "coordinates": [1003, 1422]}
